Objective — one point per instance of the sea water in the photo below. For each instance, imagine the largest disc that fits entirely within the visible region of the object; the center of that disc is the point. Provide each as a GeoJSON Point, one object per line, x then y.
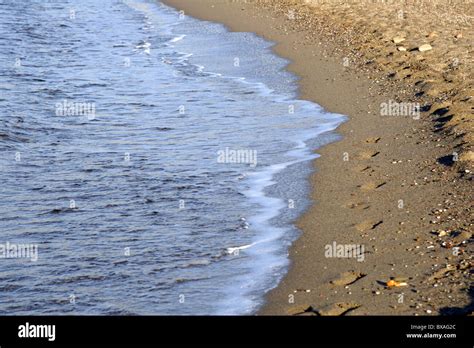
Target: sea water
{"type": "Point", "coordinates": [155, 161]}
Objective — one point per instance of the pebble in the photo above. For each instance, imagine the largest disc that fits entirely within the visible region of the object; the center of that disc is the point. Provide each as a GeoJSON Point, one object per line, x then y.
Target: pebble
{"type": "Point", "coordinates": [425, 47]}
{"type": "Point", "coordinates": [442, 233]}
{"type": "Point", "coordinates": [398, 39]}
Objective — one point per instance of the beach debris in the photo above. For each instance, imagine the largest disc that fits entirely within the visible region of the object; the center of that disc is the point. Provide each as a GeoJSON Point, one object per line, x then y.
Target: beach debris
{"type": "Point", "coordinates": [347, 278]}
{"type": "Point", "coordinates": [393, 283]}
{"type": "Point", "coordinates": [302, 290]}
{"type": "Point", "coordinates": [447, 245]}
{"type": "Point", "coordinates": [424, 47]}
{"type": "Point", "coordinates": [398, 39]}
{"type": "Point", "coordinates": [337, 309]}
{"type": "Point", "coordinates": [396, 282]}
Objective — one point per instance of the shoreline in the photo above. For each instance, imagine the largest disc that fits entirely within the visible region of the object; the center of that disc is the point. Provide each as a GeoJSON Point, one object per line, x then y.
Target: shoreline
{"type": "Point", "coordinates": [368, 189]}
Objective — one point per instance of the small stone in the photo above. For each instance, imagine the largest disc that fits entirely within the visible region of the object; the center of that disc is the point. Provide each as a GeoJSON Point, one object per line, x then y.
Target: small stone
{"type": "Point", "coordinates": [425, 47]}
{"type": "Point", "coordinates": [442, 233]}
{"type": "Point", "coordinates": [402, 49]}
{"type": "Point", "coordinates": [398, 39]}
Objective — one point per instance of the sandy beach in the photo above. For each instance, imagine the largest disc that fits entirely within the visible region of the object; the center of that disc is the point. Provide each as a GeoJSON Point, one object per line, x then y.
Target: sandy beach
{"type": "Point", "coordinates": [394, 196]}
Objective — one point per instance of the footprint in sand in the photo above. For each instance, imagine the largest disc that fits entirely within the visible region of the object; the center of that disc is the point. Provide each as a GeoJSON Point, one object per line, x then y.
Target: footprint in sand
{"type": "Point", "coordinates": [357, 205]}
{"type": "Point", "coordinates": [347, 278]}
{"type": "Point", "coordinates": [337, 309]}
{"type": "Point", "coordinates": [300, 310]}
{"type": "Point", "coordinates": [362, 168]}
{"type": "Point", "coordinates": [367, 225]}
{"type": "Point", "coordinates": [372, 140]}
{"type": "Point", "coordinates": [370, 186]}
{"type": "Point", "coordinates": [367, 154]}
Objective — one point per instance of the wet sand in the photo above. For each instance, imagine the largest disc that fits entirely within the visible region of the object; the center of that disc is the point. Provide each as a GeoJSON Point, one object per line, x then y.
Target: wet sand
{"type": "Point", "coordinates": [397, 187]}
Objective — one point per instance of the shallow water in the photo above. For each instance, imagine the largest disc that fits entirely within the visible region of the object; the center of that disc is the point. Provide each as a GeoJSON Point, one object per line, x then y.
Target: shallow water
{"type": "Point", "coordinates": [115, 117]}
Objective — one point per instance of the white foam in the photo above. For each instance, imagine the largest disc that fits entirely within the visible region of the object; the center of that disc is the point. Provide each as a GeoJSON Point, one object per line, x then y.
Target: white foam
{"type": "Point", "coordinates": [177, 38]}
{"type": "Point", "coordinates": [232, 250]}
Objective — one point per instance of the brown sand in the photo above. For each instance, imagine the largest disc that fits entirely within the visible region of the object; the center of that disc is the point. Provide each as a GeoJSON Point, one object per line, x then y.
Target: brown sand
{"type": "Point", "coordinates": [392, 184]}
